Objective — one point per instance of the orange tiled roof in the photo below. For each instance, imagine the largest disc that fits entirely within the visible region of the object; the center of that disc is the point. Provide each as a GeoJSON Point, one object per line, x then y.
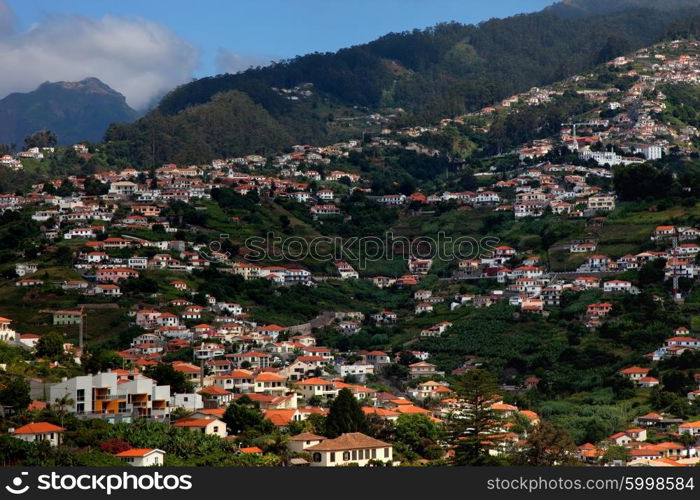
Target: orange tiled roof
{"type": "Point", "coordinates": [136, 452]}
{"type": "Point", "coordinates": [193, 422]}
{"type": "Point", "coordinates": [38, 428]}
{"type": "Point", "coordinates": [280, 418]}
{"type": "Point", "coordinates": [349, 441]}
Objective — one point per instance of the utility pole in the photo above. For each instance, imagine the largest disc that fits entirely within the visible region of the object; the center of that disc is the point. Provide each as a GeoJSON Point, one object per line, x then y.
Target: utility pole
{"type": "Point", "coordinates": [81, 329]}
{"type": "Point", "coordinates": [676, 289]}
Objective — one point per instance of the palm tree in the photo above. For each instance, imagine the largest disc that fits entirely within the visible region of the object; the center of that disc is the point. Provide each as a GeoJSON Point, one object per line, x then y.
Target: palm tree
{"type": "Point", "coordinates": [689, 441]}
{"type": "Point", "coordinates": [277, 444]}
{"type": "Point", "coordinates": [63, 402]}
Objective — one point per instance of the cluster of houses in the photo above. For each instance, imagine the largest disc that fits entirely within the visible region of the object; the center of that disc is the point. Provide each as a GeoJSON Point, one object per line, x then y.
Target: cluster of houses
{"type": "Point", "coordinates": [631, 123]}
{"type": "Point", "coordinates": [625, 125]}
{"type": "Point", "coordinates": [641, 451]}
{"type": "Point", "coordinates": [290, 380]}
{"type": "Point", "coordinates": [283, 369]}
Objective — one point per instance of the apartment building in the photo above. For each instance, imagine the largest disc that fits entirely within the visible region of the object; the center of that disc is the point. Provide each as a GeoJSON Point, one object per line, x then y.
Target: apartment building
{"type": "Point", "coordinates": [104, 396]}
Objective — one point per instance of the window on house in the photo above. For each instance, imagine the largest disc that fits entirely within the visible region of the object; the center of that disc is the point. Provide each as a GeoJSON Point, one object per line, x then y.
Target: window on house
{"type": "Point", "coordinates": [386, 452]}
{"type": "Point", "coordinates": [374, 453]}
{"type": "Point", "coordinates": [346, 456]}
{"type": "Point", "coordinates": [354, 454]}
{"type": "Point", "coordinates": [317, 457]}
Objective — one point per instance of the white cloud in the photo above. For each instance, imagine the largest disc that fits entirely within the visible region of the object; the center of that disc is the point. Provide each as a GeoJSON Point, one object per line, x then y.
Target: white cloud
{"type": "Point", "coordinates": [139, 58]}
{"type": "Point", "coordinates": [228, 61]}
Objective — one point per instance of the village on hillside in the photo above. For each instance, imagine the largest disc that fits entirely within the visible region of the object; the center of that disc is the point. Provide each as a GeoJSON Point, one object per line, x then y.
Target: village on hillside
{"type": "Point", "coordinates": [157, 260]}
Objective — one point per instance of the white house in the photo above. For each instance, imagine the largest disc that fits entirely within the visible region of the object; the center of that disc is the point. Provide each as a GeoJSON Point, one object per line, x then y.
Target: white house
{"type": "Point", "coordinates": [142, 457]}
{"type": "Point", "coordinates": [123, 188]}
{"type": "Point", "coordinates": [357, 370]}
{"type": "Point", "coordinates": [208, 426]}
{"type": "Point", "coordinates": [615, 286]}
{"type": "Point", "coordinates": [350, 448]}
{"type": "Point", "coordinates": [325, 195]}
{"type": "Point", "coordinates": [691, 428]}
{"type": "Point", "coordinates": [301, 442]}
{"type": "Point", "coordinates": [7, 334]}
{"type": "Point", "coordinates": [40, 431]}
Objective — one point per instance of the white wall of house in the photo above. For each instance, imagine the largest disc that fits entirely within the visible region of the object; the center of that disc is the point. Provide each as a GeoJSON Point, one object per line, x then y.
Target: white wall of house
{"type": "Point", "coordinates": [345, 457]}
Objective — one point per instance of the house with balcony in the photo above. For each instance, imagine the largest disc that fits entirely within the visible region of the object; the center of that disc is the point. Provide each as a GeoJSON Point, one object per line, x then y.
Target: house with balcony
{"type": "Point", "coordinates": [423, 369]}
{"type": "Point", "coordinates": [618, 286]}
{"type": "Point", "coordinates": [634, 373]}
{"type": "Point", "coordinates": [311, 387]}
{"type": "Point", "coordinates": [67, 317]}
{"type": "Point", "coordinates": [115, 275]}
{"type": "Point", "coordinates": [217, 394]}
{"type": "Point", "coordinates": [237, 381]}
{"type": "Point", "coordinates": [249, 360]}
{"type": "Point", "coordinates": [7, 334]}
{"type": "Point", "coordinates": [270, 383]}
{"type": "Point", "coordinates": [601, 202]}
{"type": "Point", "coordinates": [376, 358]}
{"type": "Point", "coordinates": [103, 395]}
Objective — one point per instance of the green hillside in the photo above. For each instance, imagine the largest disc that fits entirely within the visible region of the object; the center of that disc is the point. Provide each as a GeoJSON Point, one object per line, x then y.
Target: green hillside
{"type": "Point", "coordinates": [415, 77]}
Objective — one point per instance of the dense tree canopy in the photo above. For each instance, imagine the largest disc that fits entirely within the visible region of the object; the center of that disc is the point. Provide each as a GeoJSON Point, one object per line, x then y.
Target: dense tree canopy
{"type": "Point", "coordinates": [444, 70]}
{"type": "Point", "coordinates": [345, 415]}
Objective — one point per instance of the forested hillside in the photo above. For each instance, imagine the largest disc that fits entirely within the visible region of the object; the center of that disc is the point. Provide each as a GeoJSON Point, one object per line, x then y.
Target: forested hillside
{"type": "Point", "coordinates": [440, 71]}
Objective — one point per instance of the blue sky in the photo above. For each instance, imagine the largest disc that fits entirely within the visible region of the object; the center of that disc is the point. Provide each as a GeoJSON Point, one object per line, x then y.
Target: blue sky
{"type": "Point", "coordinates": [257, 31]}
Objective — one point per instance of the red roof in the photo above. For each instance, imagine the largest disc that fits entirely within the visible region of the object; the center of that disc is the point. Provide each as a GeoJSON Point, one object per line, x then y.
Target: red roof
{"type": "Point", "coordinates": [214, 390]}
{"type": "Point", "coordinates": [272, 328]}
{"type": "Point", "coordinates": [137, 452]}
{"type": "Point", "coordinates": [269, 377]}
{"type": "Point", "coordinates": [634, 369]}
{"type": "Point", "coordinates": [38, 428]}
{"type": "Point", "coordinates": [314, 381]}
{"type": "Point", "coordinates": [280, 418]}
{"type": "Point", "coordinates": [193, 422]}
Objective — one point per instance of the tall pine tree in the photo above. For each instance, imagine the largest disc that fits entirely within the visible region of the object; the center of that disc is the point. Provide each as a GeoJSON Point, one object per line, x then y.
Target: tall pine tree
{"type": "Point", "coordinates": [345, 415]}
{"type": "Point", "coordinates": [471, 429]}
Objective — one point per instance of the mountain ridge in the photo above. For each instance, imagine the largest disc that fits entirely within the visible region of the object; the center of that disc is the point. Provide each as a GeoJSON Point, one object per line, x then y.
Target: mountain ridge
{"type": "Point", "coordinates": [75, 111]}
{"type": "Point", "coordinates": [445, 70]}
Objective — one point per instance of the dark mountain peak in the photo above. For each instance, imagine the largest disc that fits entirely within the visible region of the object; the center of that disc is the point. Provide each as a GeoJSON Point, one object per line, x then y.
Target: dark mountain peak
{"type": "Point", "coordinates": [90, 84]}
{"type": "Point", "coordinates": [75, 111]}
